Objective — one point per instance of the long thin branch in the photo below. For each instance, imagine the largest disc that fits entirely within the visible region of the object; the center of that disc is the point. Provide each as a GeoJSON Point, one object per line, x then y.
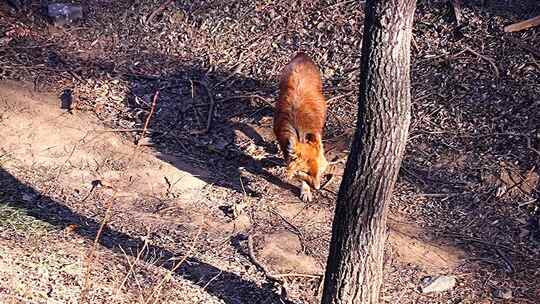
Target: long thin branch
{"type": "Point", "coordinates": [92, 254]}
{"type": "Point", "coordinates": [158, 10]}
{"type": "Point", "coordinates": [525, 24]}
{"type": "Point", "coordinates": [489, 60]}
{"type": "Point", "coordinates": [210, 110]}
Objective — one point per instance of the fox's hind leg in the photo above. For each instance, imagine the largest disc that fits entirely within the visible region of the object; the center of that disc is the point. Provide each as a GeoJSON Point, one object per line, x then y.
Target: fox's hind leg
{"type": "Point", "coordinates": [305, 192]}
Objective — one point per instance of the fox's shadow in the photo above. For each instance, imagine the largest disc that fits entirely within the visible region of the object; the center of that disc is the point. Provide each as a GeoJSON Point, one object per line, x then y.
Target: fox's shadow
{"type": "Point", "coordinates": [219, 123]}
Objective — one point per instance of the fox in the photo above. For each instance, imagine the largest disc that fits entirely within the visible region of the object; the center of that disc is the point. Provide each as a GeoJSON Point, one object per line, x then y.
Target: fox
{"type": "Point", "coordinates": [299, 118]}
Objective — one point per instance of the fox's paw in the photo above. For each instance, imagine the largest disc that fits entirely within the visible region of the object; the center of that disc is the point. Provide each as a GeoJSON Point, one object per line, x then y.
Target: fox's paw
{"type": "Point", "coordinates": [305, 193]}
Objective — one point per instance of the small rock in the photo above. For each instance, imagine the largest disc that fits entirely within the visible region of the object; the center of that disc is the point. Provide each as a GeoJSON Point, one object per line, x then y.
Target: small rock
{"type": "Point", "coordinates": [221, 144]}
{"type": "Point", "coordinates": [63, 13]}
{"type": "Point", "coordinates": [502, 294]}
{"type": "Point", "coordinates": [29, 197]}
{"type": "Point", "coordinates": [437, 284]}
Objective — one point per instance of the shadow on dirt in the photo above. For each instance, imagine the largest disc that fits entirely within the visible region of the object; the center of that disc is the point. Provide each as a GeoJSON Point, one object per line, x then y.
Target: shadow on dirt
{"type": "Point", "coordinates": [204, 120]}
{"type": "Point", "coordinates": [227, 286]}
{"type": "Point", "coordinates": [209, 120]}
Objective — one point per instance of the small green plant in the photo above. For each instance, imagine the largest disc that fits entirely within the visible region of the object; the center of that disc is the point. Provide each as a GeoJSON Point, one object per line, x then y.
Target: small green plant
{"type": "Point", "coordinates": [17, 219]}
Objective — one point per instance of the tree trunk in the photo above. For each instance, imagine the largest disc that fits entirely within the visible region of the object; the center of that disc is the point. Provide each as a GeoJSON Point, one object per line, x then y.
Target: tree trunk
{"type": "Point", "coordinates": [354, 267]}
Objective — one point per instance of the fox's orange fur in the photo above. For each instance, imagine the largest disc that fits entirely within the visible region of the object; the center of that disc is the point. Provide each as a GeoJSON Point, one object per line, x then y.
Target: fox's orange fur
{"type": "Point", "coordinates": [299, 119]}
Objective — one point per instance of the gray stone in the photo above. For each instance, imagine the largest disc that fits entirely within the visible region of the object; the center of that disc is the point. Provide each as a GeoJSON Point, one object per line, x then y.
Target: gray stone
{"type": "Point", "coordinates": [502, 294]}
{"type": "Point", "coordinates": [437, 284]}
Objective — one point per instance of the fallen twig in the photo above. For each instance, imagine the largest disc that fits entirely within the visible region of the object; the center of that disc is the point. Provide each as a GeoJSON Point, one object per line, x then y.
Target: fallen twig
{"type": "Point", "coordinates": [338, 97]}
{"type": "Point", "coordinates": [321, 286]}
{"type": "Point", "coordinates": [489, 60]}
{"type": "Point", "coordinates": [296, 229]}
{"type": "Point", "coordinates": [109, 203]}
{"type": "Point", "coordinates": [509, 266]}
{"type": "Point", "coordinates": [267, 274]}
{"type": "Point", "coordinates": [232, 98]}
{"type": "Point", "coordinates": [158, 10]}
{"type": "Point", "coordinates": [152, 110]}
{"type": "Point", "coordinates": [210, 110]}
{"type": "Point", "coordinates": [255, 261]}
{"type": "Point", "coordinates": [444, 195]}
{"type": "Point", "coordinates": [92, 255]}
{"type": "Point", "coordinates": [323, 186]}
{"type": "Point", "coordinates": [525, 24]}
{"type": "Point", "coordinates": [480, 241]}
{"type": "Point", "coordinates": [46, 192]}
{"type": "Point", "coordinates": [330, 191]}
{"type": "Point", "coordinates": [125, 130]}
{"type": "Point", "coordinates": [333, 6]}
{"type": "Point", "coordinates": [131, 267]}
{"type": "Point", "coordinates": [298, 275]}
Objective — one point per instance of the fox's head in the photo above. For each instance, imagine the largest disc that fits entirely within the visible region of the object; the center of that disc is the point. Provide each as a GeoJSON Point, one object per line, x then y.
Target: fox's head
{"type": "Point", "coordinates": [307, 161]}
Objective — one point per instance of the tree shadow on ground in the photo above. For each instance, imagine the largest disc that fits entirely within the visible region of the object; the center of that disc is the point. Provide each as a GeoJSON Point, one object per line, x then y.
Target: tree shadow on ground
{"type": "Point", "coordinates": [238, 107]}
{"type": "Point", "coordinates": [227, 286]}
{"type": "Point", "coordinates": [210, 120]}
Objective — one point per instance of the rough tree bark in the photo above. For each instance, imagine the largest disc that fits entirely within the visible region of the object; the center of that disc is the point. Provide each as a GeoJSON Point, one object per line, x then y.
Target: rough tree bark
{"type": "Point", "coordinates": [354, 267]}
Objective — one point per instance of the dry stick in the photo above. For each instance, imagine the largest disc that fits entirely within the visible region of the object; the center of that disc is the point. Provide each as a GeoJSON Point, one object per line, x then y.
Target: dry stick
{"type": "Point", "coordinates": [268, 275]}
{"type": "Point", "coordinates": [158, 10]}
{"type": "Point", "coordinates": [321, 286]}
{"type": "Point", "coordinates": [169, 274]}
{"type": "Point", "coordinates": [529, 145]}
{"type": "Point", "coordinates": [124, 130]}
{"type": "Point", "coordinates": [491, 61]}
{"type": "Point", "coordinates": [298, 275]}
{"type": "Point", "coordinates": [333, 6]}
{"type": "Point", "coordinates": [524, 179]}
{"type": "Point", "coordinates": [46, 192]}
{"type": "Point", "coordinates": [212, 279]}
{"type": "Point", "coordinates": [92, 254]}
{"type": "Point", "coordinates": [210, 110]}
{"type": "Point", "coordinates": [294, 227]}
{"type": "Point", "coordinates": [197, 114]}
{"type": "Point", "coordinates": [323, 186]}
{"type": "Point", "coordinates": [135, 277]}
{"type": "Point", "coordinates": [525, 24]}
{"type": "Point", "coordinates": [338, 97]}
{"type": "Point", "coordinates": [255, 261]}
{"type": "Point", "coordinates": [297, 230]}
{"type": "Point", "coordinates": [131, 266]}
{"type": "Point", "coordinates": [232, 98]}
{"type": "Point", "coordinates": [507, 262]}
{"type": "Point", "coordinates": [480, 241]}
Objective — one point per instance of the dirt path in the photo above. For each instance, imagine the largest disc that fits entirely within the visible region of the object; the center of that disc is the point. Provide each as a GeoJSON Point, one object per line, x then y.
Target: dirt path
{"type": "Point", "coordinates": [59, 157]}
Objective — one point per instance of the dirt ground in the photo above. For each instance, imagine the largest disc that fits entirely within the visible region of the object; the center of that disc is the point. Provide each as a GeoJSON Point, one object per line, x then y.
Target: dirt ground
{"type": "Point", "coordinates": [74, 101]}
